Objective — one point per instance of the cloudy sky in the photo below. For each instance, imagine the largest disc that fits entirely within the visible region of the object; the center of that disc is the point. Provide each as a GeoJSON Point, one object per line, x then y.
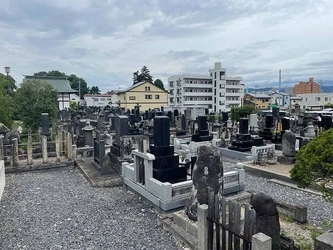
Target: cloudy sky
{"type": "Point", "coordinates": [105, 41]}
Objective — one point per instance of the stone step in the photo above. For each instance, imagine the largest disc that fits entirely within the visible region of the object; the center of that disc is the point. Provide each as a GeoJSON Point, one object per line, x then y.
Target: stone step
{"type": "Point", "coordinates": [292, 185]}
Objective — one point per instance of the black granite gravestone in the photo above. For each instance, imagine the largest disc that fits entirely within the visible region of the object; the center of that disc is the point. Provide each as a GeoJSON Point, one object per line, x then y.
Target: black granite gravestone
{"type": "Point", "coordinates": [244, 126]}
{"type": "Point", "coordinates": [121, 126]}
{"type": "Point", "coordinates": [202, 123]}
{"type": "Point", "coordinates": [175, 112]}
{"type": "Point", "coordinates": [225, 116]}
{"type": "Point", "coordinates": [243, 141]}
{"type": "Point", "coordinates": [211, 117]}
{"type": "Point", "coordinates": [161, 131]}
{"type": "Point", "coordinates": [202, 134]}
{"type": "Point", "coordinates": [275, 112]}
{"type": "Point", "coordinates": [269, 121]}
{"type": "Point", "coordinates": [285, 124]}
{"type": "Point", "coordinates": [326, 122]}
{"type": "Point", "coordinates": [166, 165]}
{"type": "Point", "coordinates": [45, 124]}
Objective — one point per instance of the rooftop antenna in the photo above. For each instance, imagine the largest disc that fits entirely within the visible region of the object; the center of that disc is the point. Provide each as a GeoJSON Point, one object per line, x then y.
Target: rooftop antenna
{"type": "Point", "coordinates": [279, 80]}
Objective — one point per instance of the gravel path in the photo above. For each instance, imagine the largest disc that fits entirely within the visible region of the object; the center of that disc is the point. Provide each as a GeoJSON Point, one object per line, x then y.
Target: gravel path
{"type": "Point", "coordinates": [318, 209]}
{"type": "Point", "coordinates": [58, 209]}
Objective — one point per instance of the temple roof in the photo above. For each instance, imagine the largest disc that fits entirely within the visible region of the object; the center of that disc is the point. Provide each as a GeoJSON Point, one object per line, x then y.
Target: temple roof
{"type": "Point", "coordinates": [61, 84]}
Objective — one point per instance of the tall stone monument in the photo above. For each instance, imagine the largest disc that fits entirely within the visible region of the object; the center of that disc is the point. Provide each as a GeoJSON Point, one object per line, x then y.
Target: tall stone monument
{"type": "Point", "coordinates": [288, 148]}
{"type": "Point", "coordinates": [207, 175]}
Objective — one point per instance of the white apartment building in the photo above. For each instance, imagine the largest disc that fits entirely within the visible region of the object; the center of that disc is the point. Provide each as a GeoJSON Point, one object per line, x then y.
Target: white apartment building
{"type": "Point", "coordinates": [102, 100]}
{"type": "Point", "coordinates": [215, 91]}
{"type": "Point", "coordinates": [315, 99]}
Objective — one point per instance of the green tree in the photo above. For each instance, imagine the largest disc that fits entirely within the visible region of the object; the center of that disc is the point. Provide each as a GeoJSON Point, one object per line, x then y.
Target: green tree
{"type": "Point", "coordinates": [6, 102]}
{"type": "Point", "coordinates": [328, 105]}
{"type": "Point", "coordinates": [6, 110]}
{"type": "Point", "coordinates": [136, 77]}
{"type": "Point", "coordinates": [94, 90]}
{"type": "Point", "coordinates": [144, 76]}
{"type": "Point", "coordinates": [75, 81]}
{"type": "Point", "coordinates": [33, 98]}
{"type": "Point", "coordinates": [242, 112]}
{"type": "Point", "coordinates": [8, 83]}
{"type": "Point", "coordinates": [314, 164]}
{"type": "Point", "coordinates": [159, 83]}
{"type": "Point", "coordinates": [73, 106]}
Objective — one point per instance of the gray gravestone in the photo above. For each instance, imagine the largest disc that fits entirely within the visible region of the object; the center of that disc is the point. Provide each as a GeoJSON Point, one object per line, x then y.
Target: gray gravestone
{"type": "Point", "coordinates": [45, 124]}
{"type": "Point", "coordinates": [288, 144]}
{"type": "Point", "coordinates": [267, 221]}
{"type": "Point", "coordinates": [106, 167]}
{"type": "Point", "coordinates": [207, 175]}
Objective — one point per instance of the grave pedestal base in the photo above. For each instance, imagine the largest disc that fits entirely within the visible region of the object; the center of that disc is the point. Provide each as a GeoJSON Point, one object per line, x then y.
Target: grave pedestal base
{"type": "Point", "coordinates": [286, 160]}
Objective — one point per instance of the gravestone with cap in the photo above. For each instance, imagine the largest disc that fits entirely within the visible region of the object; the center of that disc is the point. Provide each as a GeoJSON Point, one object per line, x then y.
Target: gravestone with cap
{"type": "Point", "coordinates": [243, 141]}
{"type": "Point", "coordinates": [267, 132]}
{"type": "Point", "coordinates": [166, 164]}
{"type": "Point", "coordinates": [45, 125]}
{"type": "Point", "coordinates": [288, 148]}
{"type": "Point", "coordinates": [203, 133]}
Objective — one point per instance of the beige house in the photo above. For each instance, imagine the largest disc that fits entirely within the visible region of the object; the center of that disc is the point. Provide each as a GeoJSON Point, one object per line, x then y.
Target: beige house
{"type": "Point", "coordinates": [146, 94]}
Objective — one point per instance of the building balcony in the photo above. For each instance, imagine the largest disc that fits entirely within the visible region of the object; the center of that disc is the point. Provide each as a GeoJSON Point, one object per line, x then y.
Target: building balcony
{"type": "Point", "coordinates": [234, 94]}
{"type": "Point", "coordinates": [202, 94]}
{"type": "Point", "coordinates": [197, 102]}
{"type": "Point", "coordinates": [197, 85]}
{"type": "Point", "coordinates": [233, 102]}
{"type": "Point", "coordinates": [233, 78]}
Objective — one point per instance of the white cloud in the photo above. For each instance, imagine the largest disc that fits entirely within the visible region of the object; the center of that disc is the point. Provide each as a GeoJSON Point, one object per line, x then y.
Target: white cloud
{"type": "Point", "coordinates": [106, 41]}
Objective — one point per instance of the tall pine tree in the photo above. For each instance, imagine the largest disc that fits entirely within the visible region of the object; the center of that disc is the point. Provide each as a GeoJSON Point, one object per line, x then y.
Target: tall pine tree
{"type": "Point", "coordinates": [144, 76]}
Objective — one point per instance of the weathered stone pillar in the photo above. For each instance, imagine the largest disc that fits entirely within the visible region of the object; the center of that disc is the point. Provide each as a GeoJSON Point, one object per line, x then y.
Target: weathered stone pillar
{"type": "Point", "coordinates": [74, 148]}
{"type": "Point", "coordinates": [44, 149]}
{"type": "Point", "coordinates": [261, 241]}
{"type": "Point", "coordinates": [60, 139]}
{"type": "Point", "coordinates": [15, 152]}
{"type": "Point", "coordinates": [203, 227]}
{"type": "Point", "coordinates": [29, 151]}
{"type": "Point", "coordinates": [64, 141]}
{"type": "Point", "coordinates": [57, 144]}
{"type": "Point", "coordinates": [69, 147]}
{"type": "Point", "coordinates": [1, 148]}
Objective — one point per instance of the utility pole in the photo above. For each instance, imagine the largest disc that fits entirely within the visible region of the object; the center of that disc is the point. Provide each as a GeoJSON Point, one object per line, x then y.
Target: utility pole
{"type": "Point", "coordinates": [279, 87]}
{"type": "Point", "coordinates": [79, 89]}
{"type": "Point", "coordinates": [256, 100]}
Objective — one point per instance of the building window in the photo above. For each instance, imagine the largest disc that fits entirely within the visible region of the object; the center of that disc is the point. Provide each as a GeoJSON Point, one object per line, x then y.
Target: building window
{"type": "Point", "coordinates": [102, 99]}
{"type": "Point", "coordinates": [326, 99]}
{"type": "Point", "coordinates": [157, 96]}
{"type": "Point", "coordinates": [147, 88]}
{"type": "Point", "coordinates": [96, 99]}
{"type": "Point", "coordinates": [132, 97]}
{"type": "Point", "coordinates": [317, 99]}
{"type": "Point", "coordinates": [149, 97]}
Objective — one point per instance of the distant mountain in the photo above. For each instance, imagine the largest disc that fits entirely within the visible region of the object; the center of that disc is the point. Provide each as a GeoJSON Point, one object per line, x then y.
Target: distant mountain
{"type": "Point", "coordinates": [324, 89]}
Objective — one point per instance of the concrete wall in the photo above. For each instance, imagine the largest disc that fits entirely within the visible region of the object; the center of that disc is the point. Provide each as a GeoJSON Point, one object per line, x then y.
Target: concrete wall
{"type": "Point", "coordinates": [2, 178]}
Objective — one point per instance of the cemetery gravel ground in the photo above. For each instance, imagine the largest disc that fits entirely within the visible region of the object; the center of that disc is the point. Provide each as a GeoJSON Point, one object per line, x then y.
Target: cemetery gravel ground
{"type": "Point", "coordinates": [58, 209]}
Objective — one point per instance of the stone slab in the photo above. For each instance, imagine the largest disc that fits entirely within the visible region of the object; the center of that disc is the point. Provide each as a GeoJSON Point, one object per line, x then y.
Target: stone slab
{"type": "Point", "coordinates": [2, 178]}
{"type": "Point", "coordinates": [324, 241]}
{"type": "Point", "coordinates": [236, 154]}
{"type": "Point", "coordinates": [38, 166]}
{"type": "Point", "coordinates": [154, 199]}
{"type": "Point", "coordinates": [94, 176]}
